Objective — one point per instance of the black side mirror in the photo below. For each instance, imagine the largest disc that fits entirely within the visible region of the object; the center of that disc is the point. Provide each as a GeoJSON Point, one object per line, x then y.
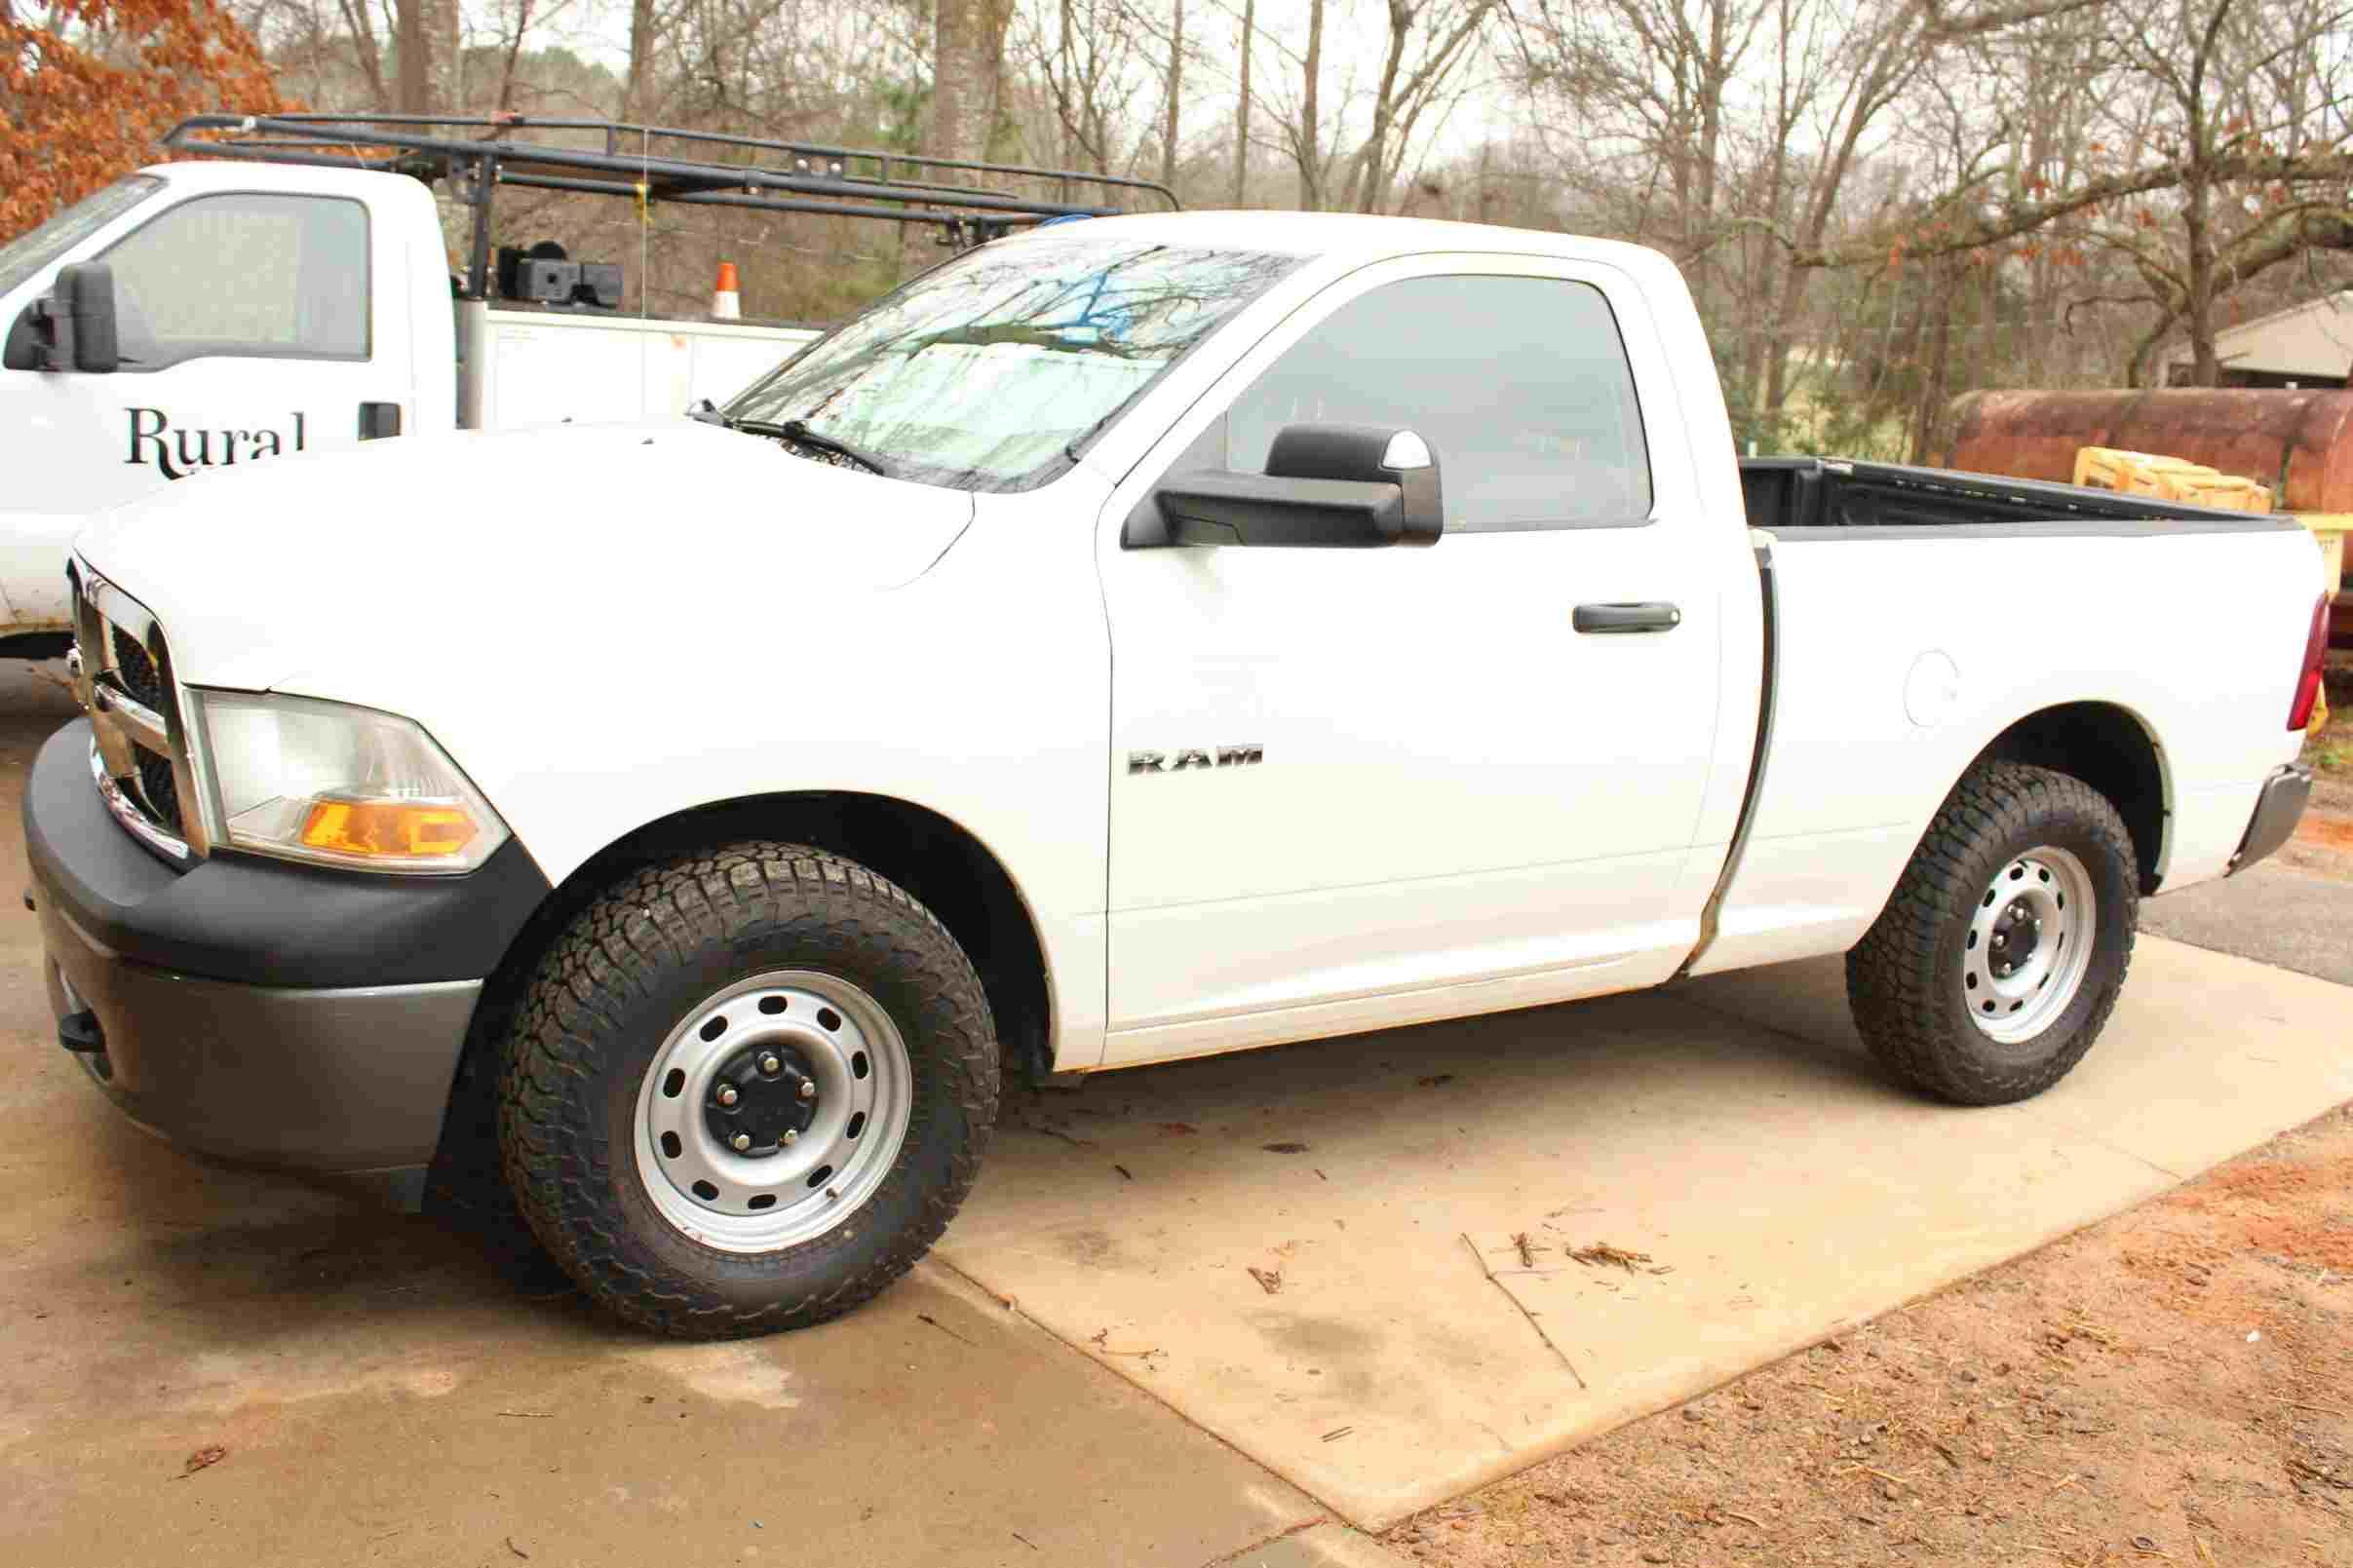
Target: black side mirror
{"type": "Point", "coordinates": [1325, 486]}
{"type": "Point", "coordinates": [72, 330]}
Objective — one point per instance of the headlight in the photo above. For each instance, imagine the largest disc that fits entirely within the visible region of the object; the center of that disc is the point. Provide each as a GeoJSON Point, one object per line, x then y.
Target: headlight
{"type": "Point", "coordinates": [335, 785]}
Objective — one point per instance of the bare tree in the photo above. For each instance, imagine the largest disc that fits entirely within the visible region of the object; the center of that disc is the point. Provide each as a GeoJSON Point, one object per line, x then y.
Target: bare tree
{"type": "Point", "coordinates": [412, 44]}
{"type": "Point", "coordinates": [1175, 97]}
{"type": "Point", "coordinates": [1412, 82]}
{"type": "Point", "coordinates": [968, 52]}
{"type": "Point", "coordinates": [1241, 103]}
{"type": "Point", "coordinates": [637, 91]}
{"type": "Point", "coordinates": [1306, 132]}
{"type": "Point", "coordinates": [2226, 78]}
{"type": "Point", "coordinates": [1087, 60]}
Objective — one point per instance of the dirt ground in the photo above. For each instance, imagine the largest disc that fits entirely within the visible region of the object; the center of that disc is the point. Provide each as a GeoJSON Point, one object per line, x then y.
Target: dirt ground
{"type": "Point", "coordinates": [2172, 1386]}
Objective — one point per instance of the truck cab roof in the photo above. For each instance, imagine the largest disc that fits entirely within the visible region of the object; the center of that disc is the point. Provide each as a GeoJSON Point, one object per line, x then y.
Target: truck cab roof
{"type": "Point", "coordinates": [1357, 236]}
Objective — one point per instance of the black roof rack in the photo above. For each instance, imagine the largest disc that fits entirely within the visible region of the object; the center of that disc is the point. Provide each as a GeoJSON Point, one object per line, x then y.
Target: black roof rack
{"type": "Point", "coordinates": [476, 154]}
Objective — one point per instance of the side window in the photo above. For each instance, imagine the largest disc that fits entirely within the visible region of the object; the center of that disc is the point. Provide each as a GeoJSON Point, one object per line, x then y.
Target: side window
{"type": "Point", "coordinates": [1520, 386]}
{"type": "Point", "coordinates": [244, 273]}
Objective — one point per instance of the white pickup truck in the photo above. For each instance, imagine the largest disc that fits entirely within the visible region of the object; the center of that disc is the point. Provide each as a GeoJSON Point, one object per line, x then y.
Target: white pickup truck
{"type": "Point", "coordinates": [1133, 640]}
{"type": "Point", "coordinates": [292, 291]}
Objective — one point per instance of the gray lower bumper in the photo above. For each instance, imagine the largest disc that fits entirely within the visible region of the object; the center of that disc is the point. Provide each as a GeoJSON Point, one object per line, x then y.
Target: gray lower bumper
{"type": "Point", "coordinates": [342, 1080]}
{"type": "Point", "coordinates": [2276, 813]}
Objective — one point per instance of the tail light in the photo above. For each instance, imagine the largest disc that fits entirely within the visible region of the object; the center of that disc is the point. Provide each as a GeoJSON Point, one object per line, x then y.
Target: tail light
{"type": "Point", "coordinates": [2307, 683]}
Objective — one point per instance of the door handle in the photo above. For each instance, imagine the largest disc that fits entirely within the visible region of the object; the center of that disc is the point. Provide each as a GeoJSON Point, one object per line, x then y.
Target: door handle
{"type": "Point", "coordinates": [1619, 619]}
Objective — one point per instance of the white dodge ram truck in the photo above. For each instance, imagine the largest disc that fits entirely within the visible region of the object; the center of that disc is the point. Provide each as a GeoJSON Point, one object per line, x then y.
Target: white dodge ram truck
{"type": "Point", "coordinates": [979, 700]}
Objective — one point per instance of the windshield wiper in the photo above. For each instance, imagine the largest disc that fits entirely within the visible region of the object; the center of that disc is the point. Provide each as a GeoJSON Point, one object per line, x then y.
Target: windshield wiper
{"type": "Point", "coordinates": [1053, 339]}
{"type": "Point", "coordinates": [799, 434]}
{"type": "Point", "coordinates": [796, 430]}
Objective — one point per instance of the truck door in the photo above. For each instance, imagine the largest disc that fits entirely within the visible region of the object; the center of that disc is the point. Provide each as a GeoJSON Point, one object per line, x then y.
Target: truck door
{"type": "Point", "coordinates": [1344, 781]}
{"type": "Point", "coordinates": [252, 325]}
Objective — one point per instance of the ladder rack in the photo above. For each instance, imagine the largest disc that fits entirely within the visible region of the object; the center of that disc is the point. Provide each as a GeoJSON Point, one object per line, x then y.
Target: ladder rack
{"type": "Point", "coordinates": [477, 154]}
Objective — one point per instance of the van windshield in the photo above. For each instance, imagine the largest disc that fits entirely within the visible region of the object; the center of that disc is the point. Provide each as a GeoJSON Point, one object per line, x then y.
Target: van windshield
{"type": "Point", "coordinates": [989, 372]}
{"type": "Point", "coordinates": [28, 253]}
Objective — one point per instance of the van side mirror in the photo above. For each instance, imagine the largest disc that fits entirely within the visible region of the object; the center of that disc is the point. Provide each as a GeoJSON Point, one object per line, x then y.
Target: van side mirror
{"type": "Point", "coordinates": [1325, 486]}
{"type": "Point", "coordinates": [72, 330]}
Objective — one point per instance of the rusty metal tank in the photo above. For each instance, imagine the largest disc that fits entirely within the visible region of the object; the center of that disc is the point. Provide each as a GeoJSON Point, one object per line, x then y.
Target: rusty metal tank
{"type": "Point", "coordinates": [2299, 442]}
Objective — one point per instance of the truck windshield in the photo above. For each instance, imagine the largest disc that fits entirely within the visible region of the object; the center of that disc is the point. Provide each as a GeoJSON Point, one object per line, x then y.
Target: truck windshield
{"type": "Point", "coordinates": [28, 253]}
{"type": "Point", "coordinates": [987, 373]}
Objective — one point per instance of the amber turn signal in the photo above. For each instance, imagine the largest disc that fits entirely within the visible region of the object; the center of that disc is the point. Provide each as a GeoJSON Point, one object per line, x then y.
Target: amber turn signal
{"type": "Point", "coordinates": [389, 829]}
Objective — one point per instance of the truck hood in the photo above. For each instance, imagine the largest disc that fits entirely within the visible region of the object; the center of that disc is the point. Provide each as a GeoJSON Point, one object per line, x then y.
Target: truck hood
{"type": "Point", "coordinates": [310, 572]}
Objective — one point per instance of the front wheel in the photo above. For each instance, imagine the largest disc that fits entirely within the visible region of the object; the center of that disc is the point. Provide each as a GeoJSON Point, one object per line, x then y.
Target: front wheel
{"type": "Point", "coordinates": [747, 1090]}
{"type": "Point", "coordinates": [2002, 952]}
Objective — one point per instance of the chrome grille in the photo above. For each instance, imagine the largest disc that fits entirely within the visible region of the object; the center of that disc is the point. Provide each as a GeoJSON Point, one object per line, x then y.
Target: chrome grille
{"type": "Point", "coordinates": [122, 675]}
{"type": "Point", "coordinates": [137, 671]}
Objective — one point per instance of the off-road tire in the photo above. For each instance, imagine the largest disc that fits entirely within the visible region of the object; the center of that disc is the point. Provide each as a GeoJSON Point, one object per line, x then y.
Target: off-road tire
{"type": "Point", "coordinates": [625, 972]}
{"type": "Point", "coordinates": [1903, 978]}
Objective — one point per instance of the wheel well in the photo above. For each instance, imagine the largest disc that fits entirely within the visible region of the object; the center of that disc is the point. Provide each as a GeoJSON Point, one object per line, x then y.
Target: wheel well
{"type": "Point", "coordinates": [2107, 748]}
{"type": "Point", "coordinates": [943, 865]}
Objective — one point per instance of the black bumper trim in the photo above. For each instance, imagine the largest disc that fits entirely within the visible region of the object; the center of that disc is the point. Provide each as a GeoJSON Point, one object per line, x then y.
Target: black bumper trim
{"type": "Point", "coordinates": [332, 1081]}
{"type": "Point", "coordinates": [2276, 813]}
{"type": "Point", "coordinates": [254, 920]}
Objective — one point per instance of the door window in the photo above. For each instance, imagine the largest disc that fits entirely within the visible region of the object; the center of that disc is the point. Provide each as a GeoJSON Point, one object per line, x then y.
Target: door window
{"type": "Point", "coordinates": [1520, 385]}
{"type": "Point", "coordinates": [27, 253]}
{"type": "Point", "coordinates": [243, 274]}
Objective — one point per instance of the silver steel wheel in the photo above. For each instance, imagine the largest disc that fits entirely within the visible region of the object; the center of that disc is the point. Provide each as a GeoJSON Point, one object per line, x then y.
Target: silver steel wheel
{"type": "Point", "coordinates": [2029, 944]}
{"type": "Point", "coordinates": [773, 1112]}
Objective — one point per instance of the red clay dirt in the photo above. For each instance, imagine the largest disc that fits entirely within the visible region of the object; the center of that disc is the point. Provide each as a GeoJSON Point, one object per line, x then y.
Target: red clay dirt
{"type": "Point", "coordinates": [2173, 1386]}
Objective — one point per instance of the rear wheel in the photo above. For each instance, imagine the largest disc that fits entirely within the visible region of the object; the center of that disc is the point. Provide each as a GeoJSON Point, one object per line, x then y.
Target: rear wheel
{"type": "Point", "coordinates": [747, 1091]}
{"type": "Point", "coordinates": [2001, 953]}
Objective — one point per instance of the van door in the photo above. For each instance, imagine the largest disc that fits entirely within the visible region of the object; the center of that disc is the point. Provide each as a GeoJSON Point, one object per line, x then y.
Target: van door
{"type": "Point", "coordinates": [252, 325]}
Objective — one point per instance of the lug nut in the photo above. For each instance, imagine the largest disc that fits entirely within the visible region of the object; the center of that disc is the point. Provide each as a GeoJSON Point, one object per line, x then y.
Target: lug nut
{"type": "Point", "coordinates": [740, 1142]}
{"type": "Point", "coordinates": [769, 1063]}
{"type": "Point", "coordinates": [808, 1090]}
{"type": "Point", "coordinates": [727, 1095]}
{"type": "Point", "coordinates": [790, 1136]}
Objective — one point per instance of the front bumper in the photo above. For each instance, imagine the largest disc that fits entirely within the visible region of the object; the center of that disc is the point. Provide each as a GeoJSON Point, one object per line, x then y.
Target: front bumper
{"type": "Point", "coordinates": [261, 1012]}
{"type": "Point", "coordinates": [2277, 811]}
{"type": "Point", "coordinates": [342, 1081]}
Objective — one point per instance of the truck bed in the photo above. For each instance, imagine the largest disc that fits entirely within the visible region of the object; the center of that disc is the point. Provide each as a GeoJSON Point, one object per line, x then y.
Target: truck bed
{"type": "Point", "coordinates": [1789, 493]}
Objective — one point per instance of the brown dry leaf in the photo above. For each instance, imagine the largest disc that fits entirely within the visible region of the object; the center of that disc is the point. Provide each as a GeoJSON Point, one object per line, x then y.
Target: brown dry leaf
{"type": "Point", "coordinates": [204, 1458]}
{"type": "Point", "coordinates": [1284, 1148]}
{"type": "Point", "coordinates": [1183, 1129]}
{"type": "Point", "coordinates": [1269, 1281]}
{"type": "Point", "coordinates": [1435, 1080]}
{"type": "Point", "coordinates": [1603, 1252]}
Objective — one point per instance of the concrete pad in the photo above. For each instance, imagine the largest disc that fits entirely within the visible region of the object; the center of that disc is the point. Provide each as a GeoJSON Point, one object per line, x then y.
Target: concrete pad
{"type": "Point", "coordinates": [2206, 1056]}
{"type": "Point", "coordinates": [1391, 1348]}
{"type": "Point", "coordinates": [384, 1397]}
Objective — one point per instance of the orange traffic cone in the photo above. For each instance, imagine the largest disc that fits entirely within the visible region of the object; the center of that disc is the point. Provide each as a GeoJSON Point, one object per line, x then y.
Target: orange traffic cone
{"type": "Point", "coordinates": [726, 301]}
